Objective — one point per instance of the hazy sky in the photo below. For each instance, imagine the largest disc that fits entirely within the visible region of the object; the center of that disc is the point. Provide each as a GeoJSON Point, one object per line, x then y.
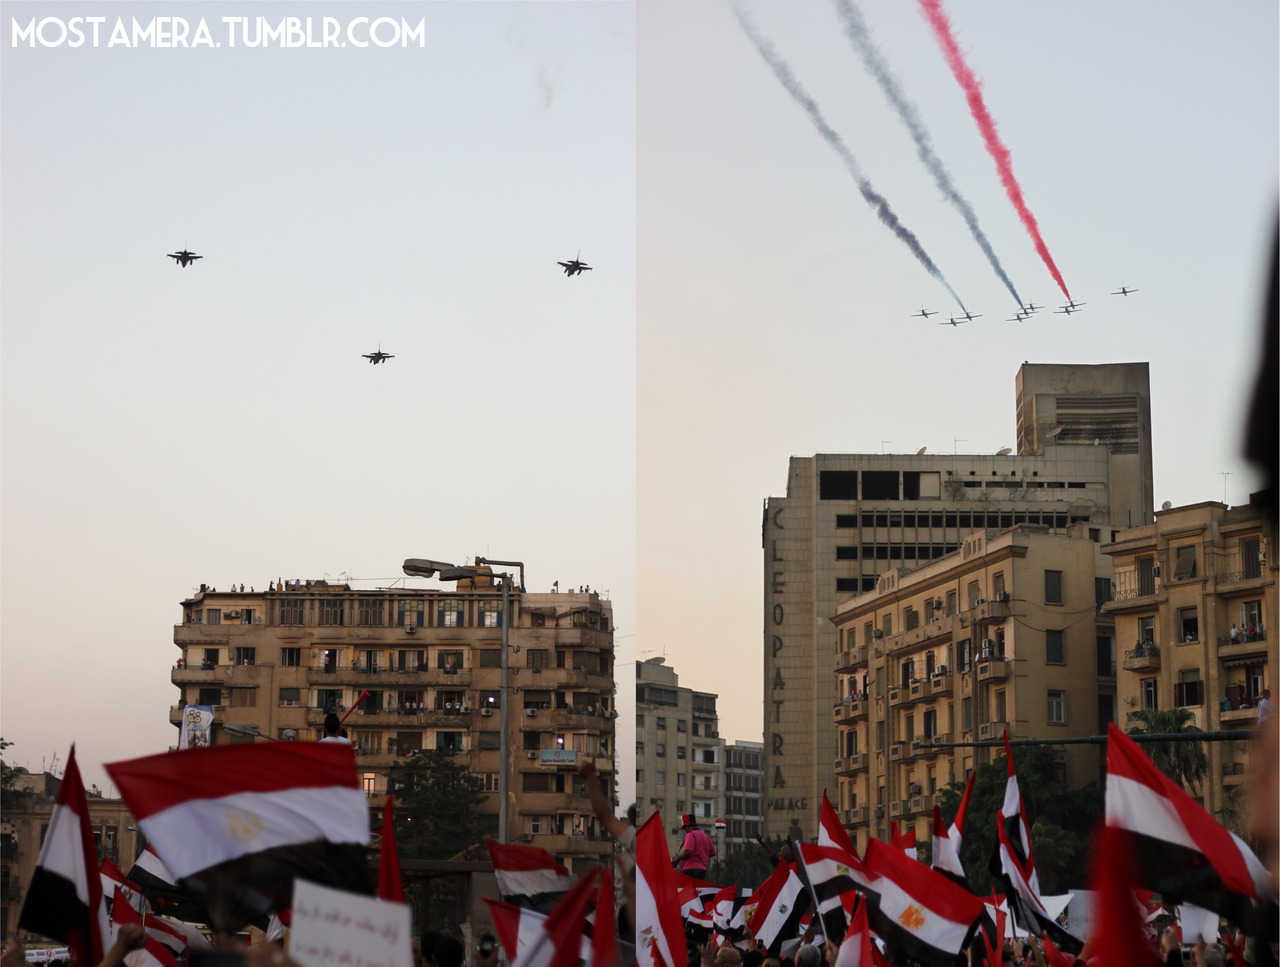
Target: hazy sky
{"type": "Point", "coordinates": [166, 426]}
{"type": "Point", "coordinates": [163, 427]}
{"type": "Point", "coordinates": [774, 310]}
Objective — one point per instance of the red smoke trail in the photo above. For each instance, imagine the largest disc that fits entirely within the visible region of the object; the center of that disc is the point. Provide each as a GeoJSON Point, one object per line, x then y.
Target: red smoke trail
{"type": "Point", "coordinates": [973, 93]}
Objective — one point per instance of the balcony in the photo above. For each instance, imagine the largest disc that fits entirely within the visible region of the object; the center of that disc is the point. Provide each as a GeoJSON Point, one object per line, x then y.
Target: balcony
{"type": "Point", "coordinates": [898, 694]}
{"type": "Point", "coordinates": [1146, 657]}
{"type": "Point", "coordinates": [920, 804]}
{"type": "Point", "coordinates": [568, 845]}
{"type": "Point", "coordinates": [991, 730]}
{"type": "Point", "coordinates": [1249, 715]}
{"type": "Point", "coordinates": [202, 634]}
{"type": "Point", "coordinates": [990, 611]}
{"type": "Point", "coordinates": [848, 712]}
{"type": "Point", "coordinates": [941, 684]}
{"type": "Point", "coordinates": [899, 750]}
{"type": "Point", "coordinates": [851, 764]}
{"type": "Point", "coordinates": [847, 661]}
{"type": "Point", "coordinates": [854, 817]}
{"type": "Point", "coordinates": [1241, 646]}
{"type": "Point", "coordinates": [991, 670]}
{"type": "Point", "coordinates": [198, 674]}
{"type": "Point", "coordinates": [897, 809]}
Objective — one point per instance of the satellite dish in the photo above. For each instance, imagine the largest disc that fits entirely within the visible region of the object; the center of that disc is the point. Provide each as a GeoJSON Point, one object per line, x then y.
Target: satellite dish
{"type": "Point", "coordinates": [1004, 451]}
{"type": "Point", "coordinates": [1167, 505]}
{"type": "Point", "coordinates": [1054, 432]}
{"type": "Point", "coordinates": [921, 451]}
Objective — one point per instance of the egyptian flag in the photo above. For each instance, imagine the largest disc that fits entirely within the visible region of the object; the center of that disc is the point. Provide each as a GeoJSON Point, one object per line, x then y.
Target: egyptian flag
{"type": "Point", "coordinates": [237, 824]}
{"type": "Point", "coordinates": [529, 876]}
{"type": "Point", "coordinates": [158, 885]}
{"type": "Point", "coordinates": [557, 940]}
{"type": "Point", "coordinates": [834, 874]}
{"type": "Point", "coordinates": [693, 895]}
{"type": "Point", "coordinates": [1118, 931]}
{"type": "Point", "coordinates": [955, 832]}
{"type": "Point", "coordinates": [604, 929]}
{"type": "Point", "coordinates": [856, 948]}
{"type": "Point", "coordinates": [390, 886]}
{"type": "Point", "coordinates": [920, 915]}
{"type": "Point", "coordinates": [831, 831]}
{"type": "Point", "coordinates": [65, 901]}
{"type": "Point", "coordinates": [1183, 854]}
{"type": "Point", "coordinates": [904, 841]}
{"type": "Point", "coordinates": [154, 953]}
{"type": "Point", "coordinates": [177, 936]}
{"type": "Point", "coordinates": [781, 903]}
{"type": "Point", "coordinates": [946, 857]}
{"type": "Point", "coordinates": [659, 929]}
{"type": "Point", "coordinates": [729, 913]}
{"type": "Point", "coordinates": [114, 880]}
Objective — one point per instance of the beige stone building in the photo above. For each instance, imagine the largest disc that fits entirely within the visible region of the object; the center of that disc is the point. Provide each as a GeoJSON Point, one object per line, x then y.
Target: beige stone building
{"type": "Point", "coordinates": [1195, 610]}
{"type": "Point", "coordinates": [274, 663]}
{"type": "Point", "coordinates": [1005, 633]}
{"type": "Point", "coordinates": [22, 832]}
{"type": "Point", "coordinates": [680, 757]}
{"type": "Point", "coordinates": [1084, 456]}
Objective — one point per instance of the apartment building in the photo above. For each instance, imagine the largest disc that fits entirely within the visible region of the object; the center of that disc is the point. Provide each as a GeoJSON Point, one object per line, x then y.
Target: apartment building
{"type": "Point", "coordinates": [680, 757]}
{"type": "Point", "coordinates": [1195, 610]}
{"type": "Point", "coordinates": [1007, 633]}
{"type": "Point", "coordinates": [1084, 457]}
{"type": "Point", "coordinates": [743, 794]}
{"type": "Point", "coordinates": [275, 663]}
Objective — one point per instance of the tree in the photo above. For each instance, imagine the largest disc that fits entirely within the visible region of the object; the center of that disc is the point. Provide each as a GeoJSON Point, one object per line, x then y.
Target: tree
{"type": "Point", "coordinates": [1061, 818]}
{"type": "Point", "coordinates": [746, 865]}
{"type": "Point", "coordinates": [437, 802]}
{"type": "Point", "coordinates": [1185, 762]}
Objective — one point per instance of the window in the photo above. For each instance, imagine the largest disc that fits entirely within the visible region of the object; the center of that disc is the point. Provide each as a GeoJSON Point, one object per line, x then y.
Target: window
{"type": "Point", "coordinates": [410, 661]}
{"type": "Point", "coordinates": [910, 726]}
{"type": "Point", "coordinates": [639, 749]}
{"type": "Point", "coordinates": [680, 752]}
{"type": "Point", "coordinates": [1188, 624]}
{"type": "Point", "coordinates": [246, 656]}
{"type": "Point", "coordinates": [1146, 576]}
{"type": "Point", "coordinates": [1057, 708]}
{"type": "Point", "coordinates": [997, 584]}
{"type": "Point", "coordinates": [369, 743]}
{"type": "Point", "coordinates": [660, 778]}
{"type": "Point", "coordinates": [1188, 690]}
{"type": "Point", "coordinates": [1150, 692]}
{"type": "Point", "coordinates": [851, 742]}
{"type": "Point", "coordinates": [682, 725]}
{"type": "Point", "coordinates": [1251, 550]}
{"type": "Point", "coordinates": [973, 594]}
{"type": "Point", "coordinates": [408, 743]}
{"type": "Point", "coordinates": [662, 723]}
{"type": "Point", "coordinates": [887, 625]}
{"type": "Point", "coordinates": [1054, 647]}
{"type": "Point", "coordinates": [951, 603]}
{"type": "Point", "coordinates": [290, 697]}
{"type": "Point", "coordinates": [489, 614]}
{"type": "Point", "coordinates": [639, 777]}
{"type": "Point", "coordinates": [880, 736]}
{"type": "Point", "coordinates": [290, 657]}
{"type": "Point", "coordinates": [369, 612]}
{"type": "Point", "coordinates": [536, 658]}
{"type": "Point", "coordinates": [846, 553]}
{"type": "Point", "coordinates": [1101, 592]}
{"type": "Point", "coordinates": [679, 778]}
{"type": "Point", "coordinates": [535, 782]}
{"type": "Point", "coordinates": [490, 658]}
{"type": "Point", "coordinates": [1000, 706]}
{"type": "Point", "coordinates": [291, 611]}
{"type": "Point", "coordinates": [930, 724]}
{"type": "Point", "coordinates": [331, 612]}
{"type": "Point", "coordinates": [1251, 620]}
{"type": "Point", "coordinates": [838, 485]}
{"type": "Point", "coordinates": [966, 713]}
{"type": "Point", "coordinates": [1185, 566]}
{"type": "Point", "coordinates": [450, 662]}
{"type": "Point", "coordinates": [661, 750]}
{"type": "Point", "coordinates": [213, 616]}
{"type": "Point", "coordinates": [1106, 657]}
{"type": "Point", "coordinates": [449, 741]}
{"type": "Point", "coordinates": [410, 611]}
{"type": "Point", "coordinates": [210, 696]}
{"type": "Point", "coordinates": [489, 740]}
{"type": "Point", "coordinates": [1053, 587]}
{"type": "Point", "coordinates": [1147, 630]}
{"type": "Point", "coordinates": [639, 721]}
{"type": "Point", "coordinates": [846, 585]}
{"type": "Point", "coordinates": [450, 614]}
{"type": "Point", "coordinates": [880, 682]}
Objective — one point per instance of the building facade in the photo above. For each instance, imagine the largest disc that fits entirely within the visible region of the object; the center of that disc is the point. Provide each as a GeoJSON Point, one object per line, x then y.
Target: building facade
{"type": "Point", "coordinates": [1007, 633]}
{"type": "Point", "coordinates": [680, 756]}
{"type": "Point", "coordinates": [743, 794]}
{"type": "Point", "coordinates": [275, 663]}
{"type": "Point", "coordinates": [1195, 610]}
{"type": "Point", "coordinates": [1084, 456]}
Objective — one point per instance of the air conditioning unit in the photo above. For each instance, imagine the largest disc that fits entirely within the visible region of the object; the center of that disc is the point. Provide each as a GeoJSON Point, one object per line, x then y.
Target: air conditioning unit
{"type": "Point", "coordinates": [410, 629]}
{"type": "Point", "coordinates": [1002, 597]}
{"type": "Point", "coordinates": [532, 755]}
{"type": "Point", "coordinates": [531, 712]}
{"type": "Point", "coordinates": [466, 708]}
{"type": "Point", "coordinates": [939, 670]}
{"type": "Point", "coordinates": [613, 714]}
{"type": "Point", "coordinates": [233, 614]}
{"type": "Point", "coordinates": [877, 633]}
{"type": "Point", "coordinates": [988, 648]}
{"type": "Point", "coordinates": [486, 711]}
{"type": "Point", "coordinates": [527, 837]}
{"type": "Point", "coordinates": [916, 789]}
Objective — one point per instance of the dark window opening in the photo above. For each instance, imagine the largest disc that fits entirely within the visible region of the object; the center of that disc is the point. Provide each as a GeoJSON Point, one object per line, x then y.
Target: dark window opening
{"type": "Point", "coordinates": [911, 485]}
{"type": "Point", "coordinates": [846, 553]}
{"type": "Point", "coordinates": [880, 485]}
{"type": "Point", "coordinates": [838, 485]}
{"type": "Point", "coordinates": [846, 585]}
{"type": "Point", "coordinates": [846, 520]}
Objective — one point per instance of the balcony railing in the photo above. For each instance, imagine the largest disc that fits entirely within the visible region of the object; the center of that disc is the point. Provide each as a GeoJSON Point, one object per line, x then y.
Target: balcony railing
{"type": "Point", "coordinates": [854, 817]}
{"type": "Point", "coordinates": [991, 730]}
{"type": "Point", "coordinates": [993, 670]}
{"type": "Point", "coordinates": [1144, 657]}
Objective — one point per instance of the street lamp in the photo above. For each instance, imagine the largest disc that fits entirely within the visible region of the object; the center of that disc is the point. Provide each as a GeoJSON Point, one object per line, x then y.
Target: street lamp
{"type": "Point", "coordinates": [421, 567]}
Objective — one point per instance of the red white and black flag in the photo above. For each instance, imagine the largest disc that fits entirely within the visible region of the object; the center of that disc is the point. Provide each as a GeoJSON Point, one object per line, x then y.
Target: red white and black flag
{"type": "Point", "coordinates": [831, 831]}
{"type": "Point", "coordinates": [529, 876]}
{"type": "Point", "coordinates": [946, 857]}
{"type": "Point", "coordinates": [160, 886]}
{"type": "Point", "coordinates": [237, 824]}
{"type": "Point", "coordinates": [781, 903]}
{"type": "Point", "coordinates": [64, 900]}
{"type": "Point", "coordinates": [659, 930]}
{"type": "Point", "coordinates": [1182, 853]}
{"type": "Point", "coordinates": [834, 875]}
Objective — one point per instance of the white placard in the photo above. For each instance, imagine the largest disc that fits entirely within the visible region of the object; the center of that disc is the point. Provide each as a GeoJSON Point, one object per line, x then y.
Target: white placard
{"type": "Point", "coordinates": [1198, 924]}
{"type": "Point", "coordinates": [332, 928]}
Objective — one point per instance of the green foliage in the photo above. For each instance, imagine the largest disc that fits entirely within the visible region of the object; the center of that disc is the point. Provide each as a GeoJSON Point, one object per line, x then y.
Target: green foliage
{"type": "Point", "coordinates": [747, 865]}
{"type": "Point", "coordinates": [436, 802]}
{"type": "Point", "coordinates": [1061, 820]}
{"type": "Point", "coordinates": [10, 794]}
{"type": "Point", "coordinates": [1185, 763]}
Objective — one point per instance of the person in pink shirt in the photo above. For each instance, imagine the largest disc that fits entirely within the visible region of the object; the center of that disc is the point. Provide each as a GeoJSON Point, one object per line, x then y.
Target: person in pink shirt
{"type": "Point", "coordinates": [696, 850]}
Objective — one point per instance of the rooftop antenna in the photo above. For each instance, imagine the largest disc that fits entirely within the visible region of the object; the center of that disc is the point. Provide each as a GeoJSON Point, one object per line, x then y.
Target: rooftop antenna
{"type": "Point", "coordinates": [883, 441]}
{"type": "Point", "coordinates": [1224, 474]}
{"type": "Point", "coordinates": [956, 441]}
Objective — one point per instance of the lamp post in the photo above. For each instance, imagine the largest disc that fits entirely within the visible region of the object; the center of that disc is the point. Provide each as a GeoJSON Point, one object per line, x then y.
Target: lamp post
{"type": "Point", "coordinates": [420, 567]}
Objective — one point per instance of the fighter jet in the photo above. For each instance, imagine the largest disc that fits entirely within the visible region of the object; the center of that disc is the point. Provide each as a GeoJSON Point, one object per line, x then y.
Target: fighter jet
{"type": "Point", "coordinates": [1123, 291]}
{"type": "Point", "coordinates": [953, 321]}
{"type": "Point", "coordinates": [1067, 309]}
{"type": "Point", "coordinates": [1073, 305]}
{"type": "Point", "coordinates": [574, 266]}
{"type": "Point", "coordinates": [924, 313]}
{"type": "Point", "coordinates": [1031, 307]}
{"type": "Point", "coordinates": [184, 258]}
{"type": "Point", "coordinates": [1018, 317]}
{"type": "Point", "coordinates": [379, 356]}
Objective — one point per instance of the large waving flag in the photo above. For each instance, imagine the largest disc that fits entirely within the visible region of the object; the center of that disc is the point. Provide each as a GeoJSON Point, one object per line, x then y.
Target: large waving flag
{"type": "Point", "coordinates": [64, 900]}
{"type": "Point", "coordinates": [831, 831]}
{"type": "Point", "coordinates": [921, 915]}
{"type": "Point", "coordinates": [834, 875]}
{"type": "Point", "coordinates": [955, 832]}
{"type": "Point", "coordinates": [529, 876]}
{"type": "Point", "coordinates": [659, 929]}
{"type": "Point", "coordinates": [946, 858]}
{"type": "Point", "coordinates": [237, 824]}
{"type": "Point", "coordinates": [160, 886]}
{"type": "Point", "coordinates": [555, 939]}
{"type": "Point", "coordinates": [1182, 852]}
{"type": "Point", "coordinates": [155, 953]}
{"type": "Point", "coordinates": [781, 903]}
{"type": "Point", "coordinates": [856, 950]}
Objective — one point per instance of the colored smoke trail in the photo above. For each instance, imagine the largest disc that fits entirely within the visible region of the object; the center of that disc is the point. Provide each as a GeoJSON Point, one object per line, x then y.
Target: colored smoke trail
{"type": "Point", "coordinates": [987, 126]}
{"type": "Point", "coordinates": [856, 29]}
{"type": "Point", "coordinates": [869, 194]}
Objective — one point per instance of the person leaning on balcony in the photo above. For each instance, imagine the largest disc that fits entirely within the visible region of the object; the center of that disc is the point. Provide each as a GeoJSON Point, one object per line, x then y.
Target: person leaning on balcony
{"type": "Point", "coordinates": [1265, 708]}
{"type": "Point", "coordinates": [1235, 634]}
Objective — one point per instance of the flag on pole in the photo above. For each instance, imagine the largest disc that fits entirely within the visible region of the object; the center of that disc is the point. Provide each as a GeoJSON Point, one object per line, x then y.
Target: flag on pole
{"type": "Point", "coordinates": [781, 903]}
{"type": "Point", "coordinates": [831, 831]}
{"type": "Point", "coordinates": [955, 832]}
{"type": "Point", "coordinates": [64, 900]}
{"type": "Point", "coordinates": [154, 953]}
{"type": "Point", "coordinates": [1182, 852]}
{"type": "Point", "coordinates": [113, 879]}
{"type": "Point", "coordinates": [834, 874]}
{"type": "Point", "coordinates": [1117, 926]}
{"type": "Point", "coordinates": [237, 824]}
{"type": "Point", "coordinates": [160, 886]}
{"type": "Point", "coordinates": [856, 948]}
{"type": "Point", "coordinates": [529, 876]}
{"type": "Point", "coordinates": [659, 930]}
{"type": "Point", "coordinates": [390, 886]}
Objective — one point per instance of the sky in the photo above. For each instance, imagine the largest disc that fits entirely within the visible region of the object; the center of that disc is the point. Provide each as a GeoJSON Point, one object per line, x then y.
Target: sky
{"type": "Point", "coordinates": [160, 427]}
{"type": "Point", "coordinates": [774, 309]}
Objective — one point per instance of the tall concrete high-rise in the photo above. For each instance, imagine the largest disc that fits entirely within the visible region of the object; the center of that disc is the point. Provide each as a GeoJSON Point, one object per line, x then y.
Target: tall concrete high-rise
{"type": "Point", "coordinates": [846, 518]}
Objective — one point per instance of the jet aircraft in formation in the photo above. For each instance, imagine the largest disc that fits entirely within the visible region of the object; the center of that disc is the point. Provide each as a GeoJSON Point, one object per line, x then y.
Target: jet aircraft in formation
{"type": "Point", "coordinates": [184, 258]}
{"type": "Point", "coordinates": [924, 313]}
{"type": "Point", "coordinates": [574, 266]}
{"type": "Point", "coordinates": [954, 321]}
{"type": "Point", "coordinates": [1123, 291]}
{"type": "Point", "coordinates": [379, 356]}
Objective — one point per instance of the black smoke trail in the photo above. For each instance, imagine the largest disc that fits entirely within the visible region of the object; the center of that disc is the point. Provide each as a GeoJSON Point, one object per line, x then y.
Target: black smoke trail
{"type": "Point", "coordinates": [869, 194]}
{"type": "Point", "coordinates": [855, 28]}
